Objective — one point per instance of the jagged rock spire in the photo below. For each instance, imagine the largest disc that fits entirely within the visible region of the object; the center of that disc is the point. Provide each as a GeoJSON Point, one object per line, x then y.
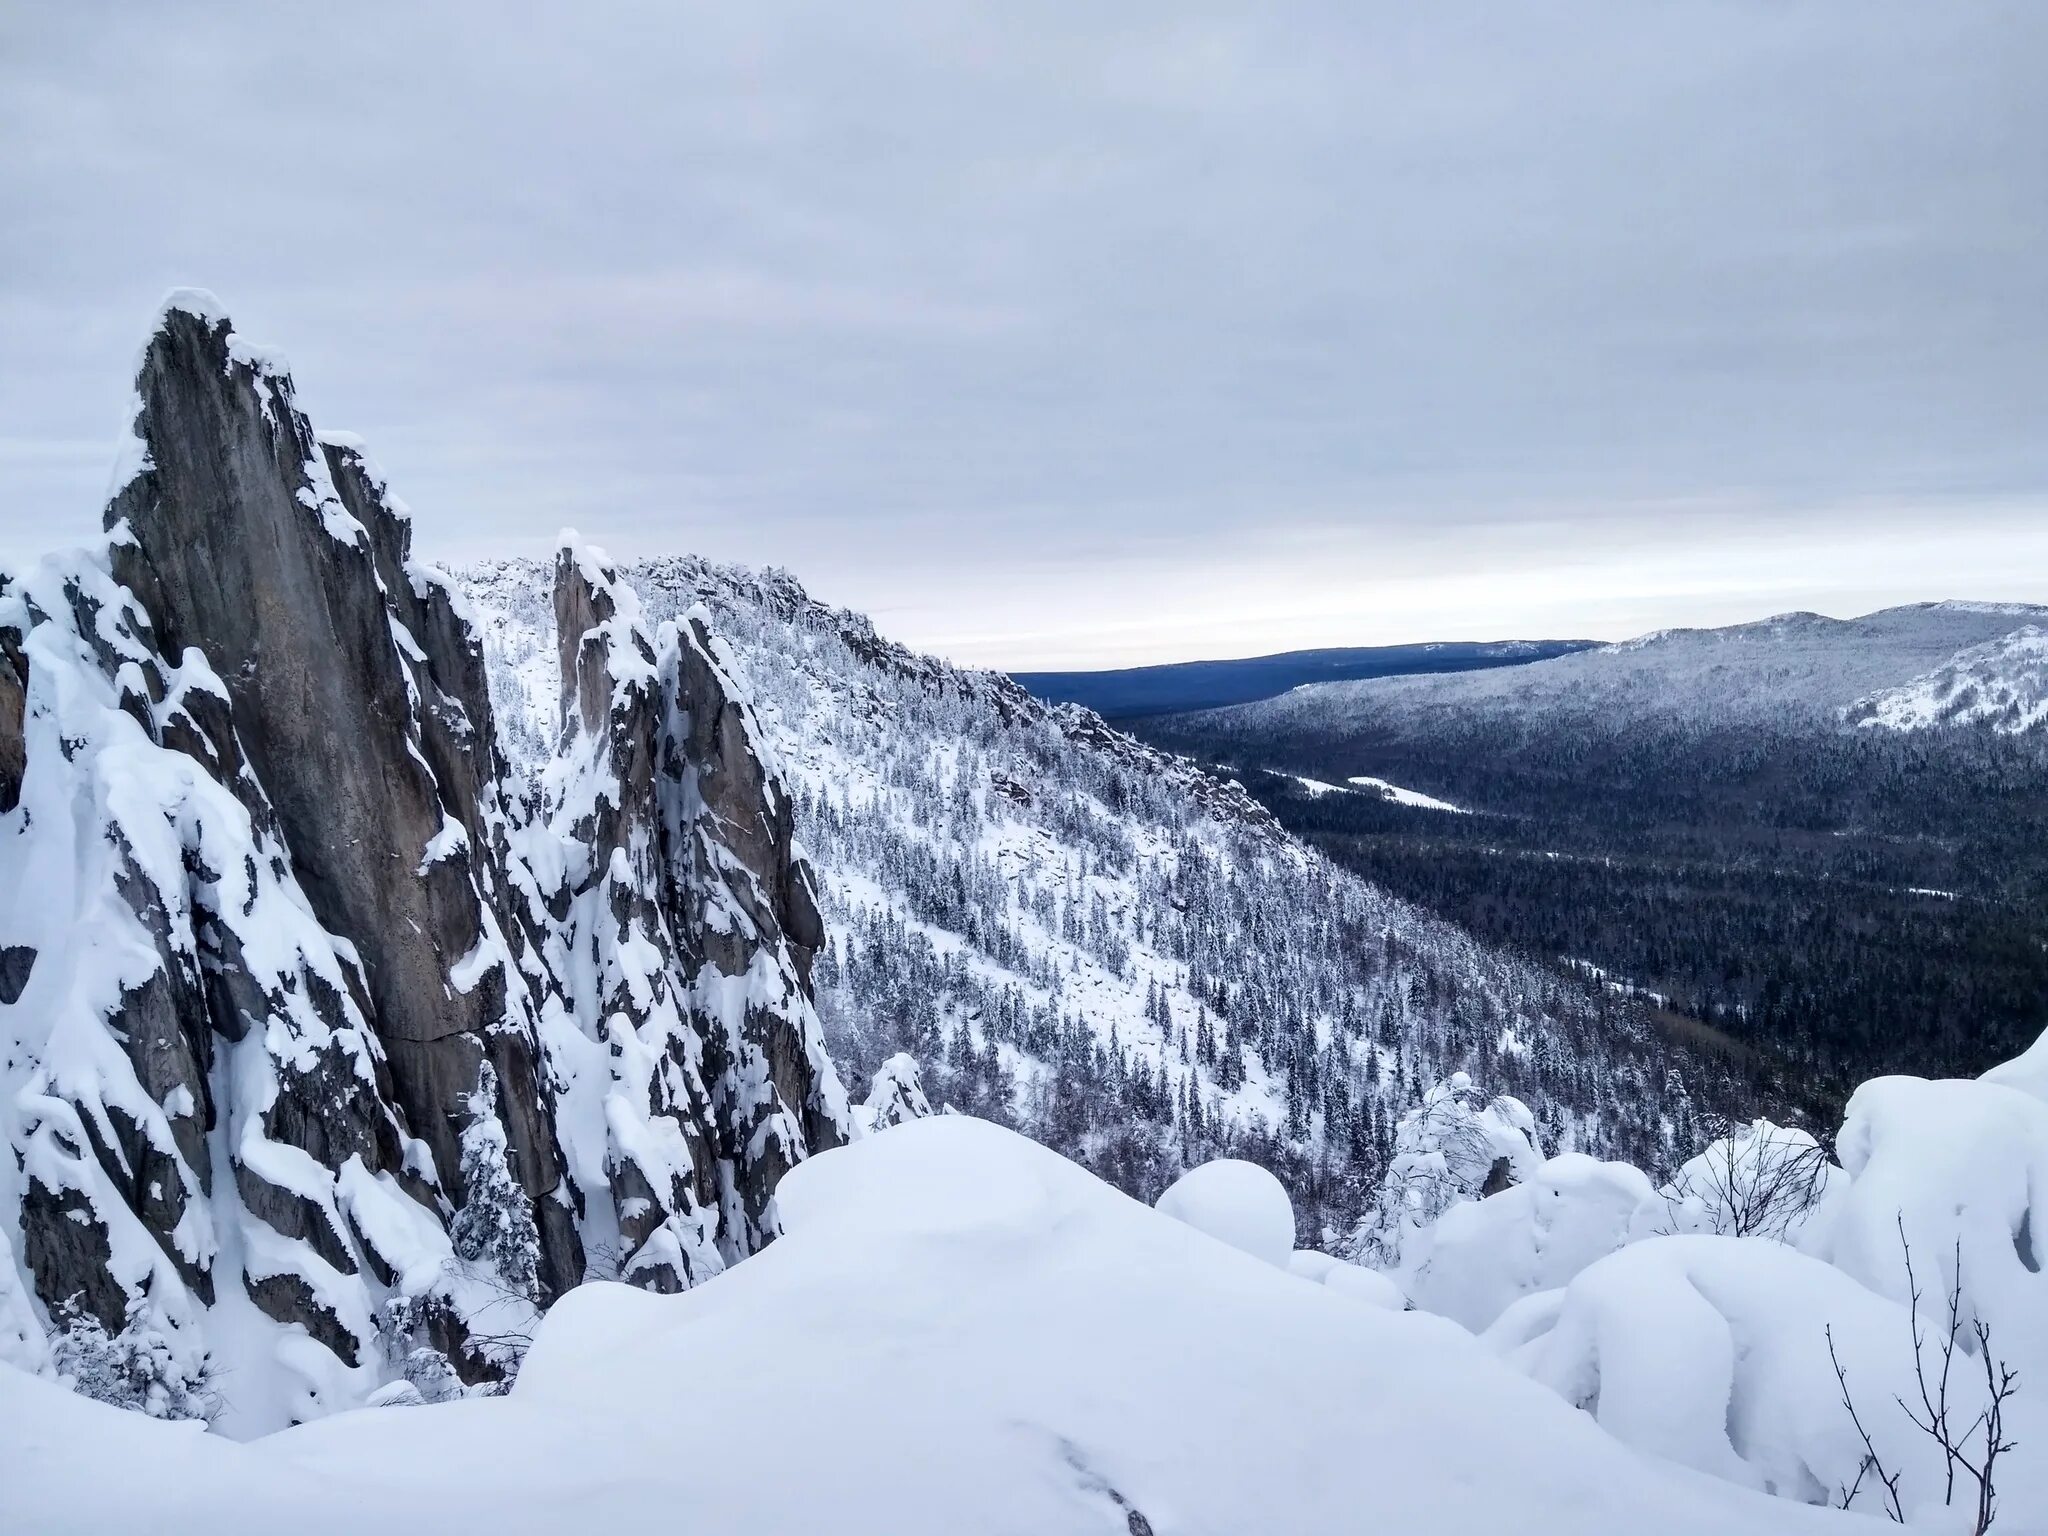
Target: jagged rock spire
{"type": "Point", "coordinates": [279, 558]}
{"type": "Point", "coordinates": [283, 949]}
{"type": "Point", "coordinates": [687, 933]}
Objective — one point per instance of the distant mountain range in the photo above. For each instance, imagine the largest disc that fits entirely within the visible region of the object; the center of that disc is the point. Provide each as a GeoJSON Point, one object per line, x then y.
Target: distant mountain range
{"type": "Point", "coordinates": [1128, 693]}
{"type": "Point", "coordinates": [1823, 838]}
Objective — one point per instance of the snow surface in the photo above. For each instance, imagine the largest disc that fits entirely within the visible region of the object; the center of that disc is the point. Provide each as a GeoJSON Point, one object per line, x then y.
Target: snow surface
{"type": "Point", "coordinates": [1712, 1348]}
{"type": "Point", "coordinates": [961, 1332]}
{"type": "Point", "coordinates": [1414, 797]}
{"type": "Point", "coordinates": [1238, 1203]}
{"type": "Point", "coordinates": [1484, 1255]}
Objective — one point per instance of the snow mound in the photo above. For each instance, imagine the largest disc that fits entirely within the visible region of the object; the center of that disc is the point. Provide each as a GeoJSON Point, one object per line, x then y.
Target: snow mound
{"type": "Point", "coordinates": [1483, 1255]}
{"type": "Point", "coordinates": [1366, 1285]}
{"type": "Point", "coordinates": [959, 1332]}
{"type": "Point", "coordinates": [1238, 1203]}
{"type": "Point", "coordinates": [1713, 1353]}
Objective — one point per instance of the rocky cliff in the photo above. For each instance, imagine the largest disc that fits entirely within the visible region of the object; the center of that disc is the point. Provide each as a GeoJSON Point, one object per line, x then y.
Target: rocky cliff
{"type": "Point", "coordinates": [326, 1059]}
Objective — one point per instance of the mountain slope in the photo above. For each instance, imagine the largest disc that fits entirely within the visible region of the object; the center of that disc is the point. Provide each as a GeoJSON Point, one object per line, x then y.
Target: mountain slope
{"type": "Point", "coordinates": [1792, 669]}
{"type": "Point", "coordinates": [1128, 692]}
{"type": "Point", "coordinates": [1707, 816]}
{"type": "Point", "coordinates": [1097, 942]}
{"type": "Point", "coordinates": [2001, 684]}
{"type": "Point", "coordinates": [389, 955]}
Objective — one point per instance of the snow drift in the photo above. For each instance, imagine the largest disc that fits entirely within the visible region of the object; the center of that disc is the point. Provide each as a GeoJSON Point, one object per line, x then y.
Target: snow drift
{"type": "Point", "coordinates": [960, 1331]}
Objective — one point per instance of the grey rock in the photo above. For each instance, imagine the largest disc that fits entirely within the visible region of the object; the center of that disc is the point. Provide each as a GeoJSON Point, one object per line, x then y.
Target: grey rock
{"type": "Point", "coordinates": [279, 557]}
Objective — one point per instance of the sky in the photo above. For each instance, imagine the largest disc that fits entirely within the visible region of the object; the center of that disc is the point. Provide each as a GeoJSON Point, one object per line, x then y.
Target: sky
{"type": "Point", "coordinates": [1072, 335]}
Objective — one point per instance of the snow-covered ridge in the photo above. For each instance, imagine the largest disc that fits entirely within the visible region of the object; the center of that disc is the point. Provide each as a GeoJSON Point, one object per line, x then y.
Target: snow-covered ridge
{"type": "Point", "coordinates": [2001, 685]}
{"type": "Point", "coordinates": [321, 1073]}
{"type": "Point", "coordinates": [1086, 937]}
{"type": "Point", "coordinates": [1798, 669]}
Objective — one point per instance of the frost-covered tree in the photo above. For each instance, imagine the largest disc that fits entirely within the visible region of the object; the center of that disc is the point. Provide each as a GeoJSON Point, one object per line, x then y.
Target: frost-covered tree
{"type": "Point", "coordinates": [132, 1369]}
{"type": "Point", "coordinates": [896, 1095]}
{"type": "Point", "coordinates": [1457, 1144]}
{"type": "Point", "coordinates": [495, 1225]}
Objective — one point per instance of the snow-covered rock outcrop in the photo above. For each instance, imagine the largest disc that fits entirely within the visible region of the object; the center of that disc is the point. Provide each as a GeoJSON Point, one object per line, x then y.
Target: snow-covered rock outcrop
{"type": "Point", "coordinates": [685, 931]}
{"type": "Point", "coordinates": [1238, 1203]}
{"type": "Point", "coordinates": [286, 1075]}
{"type": "Point", "coordinates": [1098, 943]}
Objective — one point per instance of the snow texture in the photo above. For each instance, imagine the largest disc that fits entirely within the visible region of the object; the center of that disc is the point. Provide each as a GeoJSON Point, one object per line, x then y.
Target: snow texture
{"type": "Point", "coordinates": [1238, 1203]}
{"type": "Point", "coordinates": [987, 1339]}
{"type": "Point", "coordinates": [2001, 684]}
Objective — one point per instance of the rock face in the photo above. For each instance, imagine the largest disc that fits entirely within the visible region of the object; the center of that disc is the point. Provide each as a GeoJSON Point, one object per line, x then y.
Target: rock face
{"type": "Point", "coordinates": [290, 987]}
{"type": "Point", "coordinates": [687, 927]}
{"type": "Point", "coordinates": [243, 541]}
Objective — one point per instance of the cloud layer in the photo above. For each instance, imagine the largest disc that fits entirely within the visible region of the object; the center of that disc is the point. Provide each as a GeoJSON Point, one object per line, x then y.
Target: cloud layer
{"type": "Point", "coordinates": [1071, 334]}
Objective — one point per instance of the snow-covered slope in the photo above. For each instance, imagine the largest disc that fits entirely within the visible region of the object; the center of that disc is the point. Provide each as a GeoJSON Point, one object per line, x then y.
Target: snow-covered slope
{"type": "Point", "coordinates": [2001, 684]}
{"type": "Point", "coordinates": [959, 1333]}
{"type": "Point", "coordinates": [1094, 941]}
{"type": "Point", "coordinates": [1795, 668]}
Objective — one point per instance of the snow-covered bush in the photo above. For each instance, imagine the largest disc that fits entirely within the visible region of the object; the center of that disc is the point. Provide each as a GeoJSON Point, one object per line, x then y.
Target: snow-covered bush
{"type": "Point", "coordinates": [1482, 1255]}
{"type": "Point", "coordinates": [1762, 1180]}
{"type": "Point", "coordinates": [134, 1369]}
{"type": "Point", "coordinates": [495, 1225]}
{"type": "Point", "coordinates": [1238, 1203]}
{"type": "Point", "coordinates": [1455, 1145]}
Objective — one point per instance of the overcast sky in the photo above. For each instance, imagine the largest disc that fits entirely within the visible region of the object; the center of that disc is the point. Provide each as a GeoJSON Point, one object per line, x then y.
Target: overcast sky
{"type": "Point", "coordinates": [1094, 334]}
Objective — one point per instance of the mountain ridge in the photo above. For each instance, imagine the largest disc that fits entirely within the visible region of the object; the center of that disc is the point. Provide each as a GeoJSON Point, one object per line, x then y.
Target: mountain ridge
{"type": "Point", "coordinates": [1130, 692]}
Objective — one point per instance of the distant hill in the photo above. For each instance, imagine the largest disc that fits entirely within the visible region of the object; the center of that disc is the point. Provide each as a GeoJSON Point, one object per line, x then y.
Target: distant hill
{"type": "Point", "coordinates": [1128, 693]}
{"type": "Point", "coordinates": [1826, 838]}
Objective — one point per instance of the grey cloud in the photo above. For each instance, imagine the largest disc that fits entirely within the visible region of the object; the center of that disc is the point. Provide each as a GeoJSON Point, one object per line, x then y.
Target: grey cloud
{"type": "Point", "coordinates": [1022, 325]}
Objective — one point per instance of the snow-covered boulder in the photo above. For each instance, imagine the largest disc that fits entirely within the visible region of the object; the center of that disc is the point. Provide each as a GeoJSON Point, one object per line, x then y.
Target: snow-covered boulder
{"type": "Point", "coordinates": [1346, 1279]}
{"type": "Point", "coordinates": [1366, 1285]}
{"type": "Point", "coordinates": [1482, 1255]}
{"type": "Point", "coordinates": [2027, 1071]}
{"type": "Point", "coordinates": [959, 1331]}
{"type": "Point", "coordinates": [1957, 1173]}
{"type": "Point", "coordinates": [1713, 1352]}
{"type": "Point", "coordinates": [1238, 1203]}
